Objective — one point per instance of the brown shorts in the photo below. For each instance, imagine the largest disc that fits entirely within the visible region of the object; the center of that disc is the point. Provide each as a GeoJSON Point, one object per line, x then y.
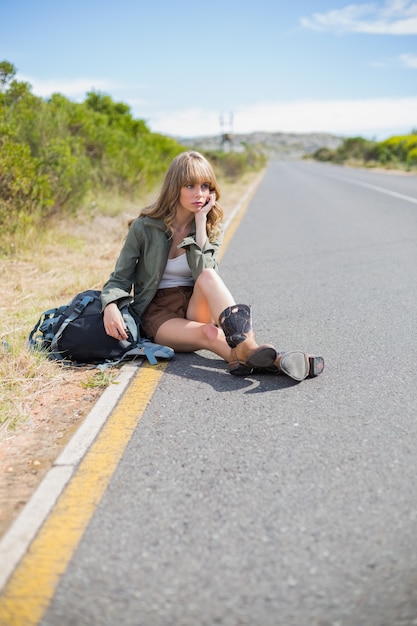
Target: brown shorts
{"type": "Point", "coordinates": [167, 304]}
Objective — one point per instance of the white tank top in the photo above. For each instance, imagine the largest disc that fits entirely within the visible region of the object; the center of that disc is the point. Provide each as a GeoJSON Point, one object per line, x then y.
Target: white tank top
{"type": "Point", "coordinates": [177, 273]}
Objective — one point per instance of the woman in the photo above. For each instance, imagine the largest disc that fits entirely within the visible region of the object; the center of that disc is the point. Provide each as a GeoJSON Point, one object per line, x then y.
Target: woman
{"type": "Point", "coordinates": [170, 256]}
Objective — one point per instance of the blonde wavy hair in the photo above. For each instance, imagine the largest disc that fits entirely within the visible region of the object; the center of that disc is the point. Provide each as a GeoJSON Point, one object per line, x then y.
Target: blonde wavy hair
{"type": "Point", "coordinates": [188, 168]}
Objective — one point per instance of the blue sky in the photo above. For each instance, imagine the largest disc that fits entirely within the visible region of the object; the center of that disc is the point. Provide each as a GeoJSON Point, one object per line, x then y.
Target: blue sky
{"type": "Point", "coordinates": [337, 66]}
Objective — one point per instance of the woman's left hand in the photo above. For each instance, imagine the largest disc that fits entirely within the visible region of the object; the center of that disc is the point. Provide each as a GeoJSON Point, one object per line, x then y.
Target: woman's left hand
{"type": "Point", "coordinates": [201, 220]}
{"type": "Point", "coordinates": [206, 208]}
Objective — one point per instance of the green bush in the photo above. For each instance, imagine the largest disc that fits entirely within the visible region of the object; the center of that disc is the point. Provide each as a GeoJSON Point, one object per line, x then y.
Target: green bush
{"type": "Point", "coordinates": [25, 192]}
{"type": "Point", "coordinates": [324, 155]}
{"type": "Point", "coordinates": [356, 149]}
{"type": "Point", "coordinates": [394, 151]}
{"type": "Point", "coordinates": [54, 151]}
{"type": "Point", "coordinates": [397, 148]}
{"type": "Point", "coordinates": [412, 157]}
{"type": "Point", "coordinates": [232, 165]}
{"type": "Point", "coordinates": [68, 173]}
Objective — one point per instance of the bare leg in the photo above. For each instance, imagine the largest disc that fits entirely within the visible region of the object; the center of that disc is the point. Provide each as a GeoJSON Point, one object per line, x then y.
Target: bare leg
{"type": "Point", "coordinates": [198, 332]}
{"type": "Point", "coordinates": [210, 297]}
{"type": "Point", "coordinates": [187, 336]}
{"type": "Point", "coordinates": [210, 300]}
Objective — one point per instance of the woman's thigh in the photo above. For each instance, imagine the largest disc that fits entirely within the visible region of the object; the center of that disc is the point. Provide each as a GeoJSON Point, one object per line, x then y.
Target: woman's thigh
{"type": "Point", "coordinates": [182, 335]}
{"type": "Point", "coordinates": [198, 308]}
{"type": "Point", "coordinates": [189, 336]}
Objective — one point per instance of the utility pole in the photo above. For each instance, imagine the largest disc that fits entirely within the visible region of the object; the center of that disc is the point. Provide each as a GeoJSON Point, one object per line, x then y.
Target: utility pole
{"type": "Point", "coordinates": [226, 132]}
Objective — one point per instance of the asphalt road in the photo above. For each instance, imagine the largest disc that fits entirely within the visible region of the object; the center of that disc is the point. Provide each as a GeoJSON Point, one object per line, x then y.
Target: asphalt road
{"type": "Point", "coordinates": [259, 501]}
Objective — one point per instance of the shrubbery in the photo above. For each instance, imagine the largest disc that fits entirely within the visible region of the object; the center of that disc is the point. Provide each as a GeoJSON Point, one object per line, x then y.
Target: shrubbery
{"type": "Point", "coordinates": [396, 151]}
{"type": "Point", "coordinates": [52, 152]}
{"type": "Point", "coordinates": [233, 165]}
{"type": "Point", "coordinates": [25, 192]}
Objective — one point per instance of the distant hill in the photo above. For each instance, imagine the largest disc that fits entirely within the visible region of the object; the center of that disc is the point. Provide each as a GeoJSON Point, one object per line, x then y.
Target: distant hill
{"type": "Point", "coordinates": [275, 145]}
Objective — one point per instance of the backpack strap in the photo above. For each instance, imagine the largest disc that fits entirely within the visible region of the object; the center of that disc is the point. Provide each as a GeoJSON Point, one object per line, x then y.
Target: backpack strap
{"type": "Point", "coordinates": [46, 320]}
{"type": "Point", "coordinates": [78, 309]}
{"type": "Point", "coordinates": [144, 348]}
{"type": "Point", "coordinates": [150, 350]}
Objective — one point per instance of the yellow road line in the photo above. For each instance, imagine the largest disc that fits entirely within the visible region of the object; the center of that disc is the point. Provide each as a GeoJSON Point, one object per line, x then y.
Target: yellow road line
{"type": "Point", "coordinates": [31, 587]}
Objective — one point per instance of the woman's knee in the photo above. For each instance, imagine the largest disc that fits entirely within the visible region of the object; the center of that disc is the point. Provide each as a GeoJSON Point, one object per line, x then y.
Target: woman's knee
{"type": "Point", "coordinates": [212, 333]}
{"type": "Point", "coordinates": [207, 278]}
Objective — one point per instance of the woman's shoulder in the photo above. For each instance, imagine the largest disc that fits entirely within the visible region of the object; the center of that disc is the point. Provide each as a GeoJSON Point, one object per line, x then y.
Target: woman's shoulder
{"type": "Point", "coordinates": [144, 222]}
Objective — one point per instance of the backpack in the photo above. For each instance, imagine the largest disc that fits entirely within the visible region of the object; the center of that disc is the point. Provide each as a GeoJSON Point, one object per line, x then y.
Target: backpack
{"type": "Point", "coordinates": [74, 333]}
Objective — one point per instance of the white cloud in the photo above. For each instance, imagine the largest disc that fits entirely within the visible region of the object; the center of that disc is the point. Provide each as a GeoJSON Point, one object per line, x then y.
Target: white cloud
{"type": "Point", "coordinates": [403, 60]}
{"type": "Point", "coordinates": [185, 123]}
{"type": "Point", "coordinates": [76, 88]}
{"type": "Point", "coordinates": [393, 17]}
{"type": "Point", "coordinates": [409, 60]}
{"type": "Point", "coordinates": [374, 117]}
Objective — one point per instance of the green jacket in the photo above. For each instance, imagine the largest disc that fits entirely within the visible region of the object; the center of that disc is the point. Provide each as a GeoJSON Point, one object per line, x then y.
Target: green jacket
{"type": "Point", "coordinates": [142, 262]}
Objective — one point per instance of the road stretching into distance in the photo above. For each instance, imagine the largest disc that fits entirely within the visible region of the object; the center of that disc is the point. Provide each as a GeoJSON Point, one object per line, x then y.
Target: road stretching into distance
{"type": "Point", "coordinates": [260, 501]}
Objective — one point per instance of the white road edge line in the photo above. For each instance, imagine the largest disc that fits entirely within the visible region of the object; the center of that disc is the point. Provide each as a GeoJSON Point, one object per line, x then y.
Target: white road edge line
{"type": "Point", "coordinates": [388, 192]}
{"type": "Point", "coordinates": [23, 530]}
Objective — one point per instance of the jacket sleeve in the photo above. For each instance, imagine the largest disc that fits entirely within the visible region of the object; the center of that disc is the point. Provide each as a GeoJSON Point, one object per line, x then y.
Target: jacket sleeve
{"type": "Point", "coordinates": [200, 259]}
{"type": "Point", "coordinates": [119, 286]}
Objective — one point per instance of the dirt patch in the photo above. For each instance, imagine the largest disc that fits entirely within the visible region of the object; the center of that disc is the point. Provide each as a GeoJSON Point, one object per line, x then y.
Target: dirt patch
{"type": "Point", "coordinates": [28, 452]}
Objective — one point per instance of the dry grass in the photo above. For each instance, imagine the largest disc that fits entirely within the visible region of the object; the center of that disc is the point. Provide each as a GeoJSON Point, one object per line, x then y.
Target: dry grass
{"type": "Point", "coordinates": [47, 270]}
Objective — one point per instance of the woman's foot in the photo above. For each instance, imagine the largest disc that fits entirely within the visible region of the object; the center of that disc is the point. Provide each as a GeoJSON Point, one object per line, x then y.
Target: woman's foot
{"type": "Point", "coordinates": [236, 323]}
{"type": "Point", "coordinates": [297, 365]}
{"type": "Point", "coordinates": [242, 362]}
